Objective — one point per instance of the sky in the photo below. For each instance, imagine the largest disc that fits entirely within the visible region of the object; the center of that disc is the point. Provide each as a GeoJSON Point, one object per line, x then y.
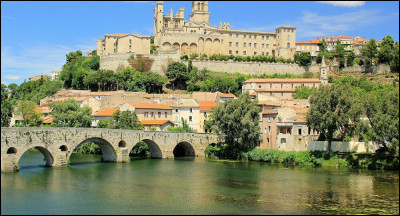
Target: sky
{"type": "Point", "coordinates": [36, 36]}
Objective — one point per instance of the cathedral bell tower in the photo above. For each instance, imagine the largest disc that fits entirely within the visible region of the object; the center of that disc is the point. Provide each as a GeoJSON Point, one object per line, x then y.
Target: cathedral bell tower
{"type": "Point", "coordinates": [200, 13]}
{"type": "Point", "coordinates": [323, 71]}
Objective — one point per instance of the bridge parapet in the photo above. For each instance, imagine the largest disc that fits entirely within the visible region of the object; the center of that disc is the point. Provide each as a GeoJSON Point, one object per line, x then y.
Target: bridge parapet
{"type": "Point", "coordinates": [57, 144]}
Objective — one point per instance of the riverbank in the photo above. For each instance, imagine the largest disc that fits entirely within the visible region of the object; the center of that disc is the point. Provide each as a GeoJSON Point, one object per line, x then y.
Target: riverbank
{"type": "Point", "coordinates": [375, 161]}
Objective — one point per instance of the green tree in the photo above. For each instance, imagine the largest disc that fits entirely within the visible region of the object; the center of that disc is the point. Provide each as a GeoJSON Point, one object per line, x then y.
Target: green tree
{"type": "Point", "coordinates": [27, 109]}
{"type": "Point", "coordinates": [70, 114]}
{"type": "Point", "coordinates": [126, 120]}
{"type": "Point", "coordinates": [303, 58]}
{"type": "Point", "coordinates": [369, 51]}
{"type": "Point", "coordinates": [333, 109]}
{"type": "Point", "coordinates": [302, 92]}
{"type": "Point", "coordinates": [239, 121]}
{"type": "Point", "coordinates": [394, 62]}
{"type": "Point", "coordinates": [6, 106]}
{"type": "Point", "coordinates": [350, 59]}
{"type": "Point", "coordinates": [178, 72]}
{"type": "Point", "coordinates": [385, 50]}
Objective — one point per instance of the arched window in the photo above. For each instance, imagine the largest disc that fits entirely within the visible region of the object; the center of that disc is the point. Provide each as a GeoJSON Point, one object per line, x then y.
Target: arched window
{"type": "Point", "coordinates": [202, 6]}
{"type": "Point", "coordinates": [159, 114]}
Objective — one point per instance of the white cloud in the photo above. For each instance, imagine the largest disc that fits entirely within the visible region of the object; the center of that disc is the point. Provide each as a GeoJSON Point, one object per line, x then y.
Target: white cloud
{"type": "Point", "coordinates": [12, 77]}
{"type": "Point", "coordinates": [344, 3]}
{"type": "Point", "coordinates": [36, 59]}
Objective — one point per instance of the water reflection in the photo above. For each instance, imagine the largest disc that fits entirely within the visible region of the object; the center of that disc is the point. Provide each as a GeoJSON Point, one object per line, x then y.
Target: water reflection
{"type": "Point", "coordinates": [194, 186]}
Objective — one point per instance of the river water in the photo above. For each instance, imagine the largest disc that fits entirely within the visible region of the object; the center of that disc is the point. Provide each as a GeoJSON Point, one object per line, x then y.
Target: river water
{"type": "Point", "coordinates": [193, 186]}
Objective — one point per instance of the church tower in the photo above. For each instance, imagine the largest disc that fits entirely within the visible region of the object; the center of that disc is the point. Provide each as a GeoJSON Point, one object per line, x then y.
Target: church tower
{"type": "Point", "coordinates": [323, 71]}
{"type": "Point", "coordinates": [200, 13]}
{"type": "Point", "coordinates": [158, 17]}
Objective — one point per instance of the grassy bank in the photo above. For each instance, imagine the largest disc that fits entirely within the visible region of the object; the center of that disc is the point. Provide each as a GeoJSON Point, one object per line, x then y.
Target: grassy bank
{"type": "Point", "coordinates": [315, 158]}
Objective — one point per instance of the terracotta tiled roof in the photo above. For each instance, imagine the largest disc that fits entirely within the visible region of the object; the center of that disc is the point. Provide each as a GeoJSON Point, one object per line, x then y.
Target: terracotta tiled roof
{"type": "Point", "coordinates": [66, 98]}
{"type": "Point", "coordinates": [269, 103]}
{"type": "Point", "coordinates": [42, 109]}
{"type": "Point", "coordinates": [116, 34]}
{"type": "Point", "coordinates": [48, 119]}
{"type": "Point", "coordinates": [309, 42]}
{"type": "Point", "coordinates": [187, 103]}
{"type": "Point", "coordinates": [105, 112]}
{"type": "Point", "coordinates": [273, 80]}
{"type": "Point", "coordinates": [253, 94]}
{"type": "Point", "coordinates": [154, 122]}
{"type": "Point", "coordinates": [224, 95]}
{"type": "Point", "coordinates": [108, 93]}
{"type": "Point", "coordinates": [207, 105]}
{"type": "Point", "coordinates": [301, 110]}
{"type": "Point", "coordinates": [299, 118]}
{"type": "Point", "coordinates": [149, 106]}
{"type": "Point", "coordinates": [270, 112]}
{"type": "Point", "coordinates": [345, 37]}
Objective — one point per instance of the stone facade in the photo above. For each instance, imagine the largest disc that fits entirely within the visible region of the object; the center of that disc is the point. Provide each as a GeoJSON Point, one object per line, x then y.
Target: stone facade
{"type": "Point", "coordinates": [172, 32]}
{"type": "Point", "coordinates": [123, 43]}
{"type": "Point", "coordinates": [57, 144]}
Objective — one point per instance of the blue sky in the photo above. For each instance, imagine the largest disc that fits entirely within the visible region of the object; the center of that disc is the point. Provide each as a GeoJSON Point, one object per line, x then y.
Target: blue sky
{"type": "Point", "coordinates": [36, 36]}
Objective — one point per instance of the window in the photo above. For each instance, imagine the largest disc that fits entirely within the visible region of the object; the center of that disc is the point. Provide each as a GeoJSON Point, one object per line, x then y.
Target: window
{"type": "Point", "coordinates": [190, 118]}
{"type": "Point", "coordinates": [259, 86]}
{"type": "Point", "coordinates": [270, 85]}
{"type": "Point", "coordinates": [299, 131]}
{"type": "Point", "coordinates": [262, 53]}
{"type": "Point", "coordinates": [244, 52]}
{"type": "Point", "coordinates": [255, 36]}
{"type": "Point", "coordinates": [288, 45]}
{"type": "Point", "coordinates": [230, 35]}
{"type": "Point", "coordinates": [159, 114]}
{"type": "Point", "coordinates": [249, 36]}
{"type": "Point", "coordinates": [269, 128]}
{"type": "Point", "coordinates": [267, 46]}
{"type": "Point", "coordinates": [146, 114]}
{"type": "Point", "coordinates": [237, 35]}
{"type": "Point", "coordinates": [292, 86]}
{"type": "Point", "coordinates": [283, 140]}
{"type": "Point", "coordinates": [255, 45]}
{"type": "Point", "coordinates": [166, 25]}
{"type": "Point", "coordinates": [237, 52]}
{"type": "Point", "coordinates": [267, 37]}
{"type": "Point", "coordinates": [191, 110]}
{"type": "Point", "coordinates": [237, 44]}
{"type": "Point", "coordinates": [166, 114]}
{"type": "Point", "coordinates": [284, 30]}
{"type": "Point", "coordinates": [267, 140]}
{"type": "Point", "coordinates": [230, 44]}
{"type": "Point", "coordinates": [262, 45]}
{"type": "Point", "coordinates": [267, 53]}
{"type": "Point", "coordinates": [255, 53]}
{"type": "Point", "coordinates": [269, 118]}
{"type": "Point", "coordinates": [230, 52]}
{"type": "Point", "coordinates": [130, 41]}
{"type": "Point", "coordinates": [152, 114]}
{"type": "Point", "coordinates": [176, 110]}
{"type": "Point", "coordinates": [130, 46]}
{"type": "Point", "coordinates": [244, 44]}
{"type": "Point", "coordinates": [281, 86]}
{"type": "Point", "coordinates": [249, 44]}
{"type": "Point", "coordinates": [205, 114]}
{"type": "Point", "coordinates": [244, 36]}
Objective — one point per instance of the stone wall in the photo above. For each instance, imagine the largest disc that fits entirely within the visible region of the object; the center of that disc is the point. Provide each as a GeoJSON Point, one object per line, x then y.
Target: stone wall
{"type": "Point", "coordinates": [342, 146]}
{"type": "Point", "coordinates": [160, 64]}
{"type": "Point", "coordinates": [251, 68]}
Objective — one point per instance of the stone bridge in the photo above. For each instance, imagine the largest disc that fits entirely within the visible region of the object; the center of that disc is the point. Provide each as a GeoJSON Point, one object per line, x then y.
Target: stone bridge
{"type": "Point", "coordinates": [57, 144]}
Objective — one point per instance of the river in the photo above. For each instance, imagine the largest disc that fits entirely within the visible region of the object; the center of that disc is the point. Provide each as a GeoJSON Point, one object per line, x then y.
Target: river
{"type": "Point", "coordinates": [193, 186]}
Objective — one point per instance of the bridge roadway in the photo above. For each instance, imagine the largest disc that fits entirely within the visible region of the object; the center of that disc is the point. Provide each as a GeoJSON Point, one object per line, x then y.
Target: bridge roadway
{"type": "Point", "coordinates": [57, 144]}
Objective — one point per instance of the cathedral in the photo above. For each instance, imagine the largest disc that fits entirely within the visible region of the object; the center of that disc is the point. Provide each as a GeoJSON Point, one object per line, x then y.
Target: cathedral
{"type": "Point", "coordinates": [172, 32]}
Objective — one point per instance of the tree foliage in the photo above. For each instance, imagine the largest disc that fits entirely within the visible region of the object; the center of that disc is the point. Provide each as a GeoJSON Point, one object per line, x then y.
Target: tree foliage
{"type": "Point", "coordinates": [302, 92]}
{"type": "Point", "coordinates": [303, 58]}
{"type": "Point", "coordinates": [70, 114]}
{"type": "Point", "coordinates": [238, 120]}
{"type": "Point", "coordinates": [6, 106]}
{"type": "Point", "coordinates": [126, 120]}
{"type": "Point", "coordinates": [370, 51]}
{"type": "Point", "coordinates": [27, 109]}
{"type": "Point", "coordinates": [333, 108]}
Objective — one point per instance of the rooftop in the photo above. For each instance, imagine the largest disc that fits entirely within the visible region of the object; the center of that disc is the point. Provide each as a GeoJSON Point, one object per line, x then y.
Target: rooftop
{"type": "Point", "coordinates": [149, 106]}
{"type": "Point", "coordinates": [106, 112]}
{"type": "Point", "coordinates": [154, 122]}
{"type": "Point", "coordinates": [207, 105]}
{"type": "Point", "coordinates": [288, 80]}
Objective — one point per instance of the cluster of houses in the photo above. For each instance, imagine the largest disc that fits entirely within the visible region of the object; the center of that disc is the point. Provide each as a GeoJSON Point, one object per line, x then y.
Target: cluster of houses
{"type": "Point", "coordinates": [282, 119]}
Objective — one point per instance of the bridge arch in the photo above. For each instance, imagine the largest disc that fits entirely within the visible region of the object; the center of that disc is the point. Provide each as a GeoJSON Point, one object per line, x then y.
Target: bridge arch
{"type": "Point", "coordinates": [154, 148]}
{"type": "Point", "coordinates": [48, 156]}
{"type": "Point", "coordinates": [107, 149]}
{"type": "Point", "coordinates": [184, 148]}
